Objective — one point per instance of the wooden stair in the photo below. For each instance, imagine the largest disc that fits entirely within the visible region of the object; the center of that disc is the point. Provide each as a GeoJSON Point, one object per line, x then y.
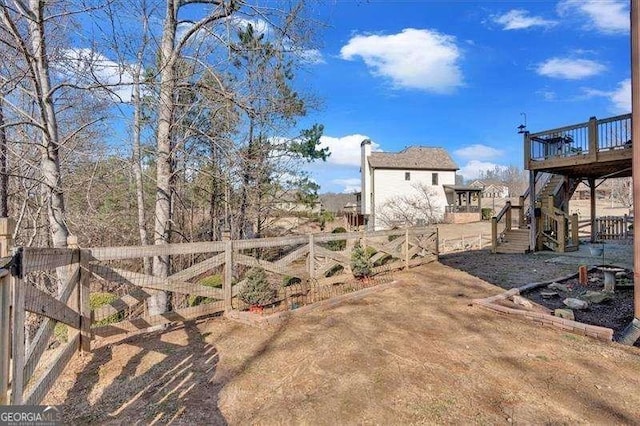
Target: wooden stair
{"type": "Point", "coordinates": [514, 241]}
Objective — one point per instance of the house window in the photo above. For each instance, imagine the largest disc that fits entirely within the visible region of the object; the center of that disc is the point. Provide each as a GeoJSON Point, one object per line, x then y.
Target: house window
{"type": "Point", "coordinates": [407, 176]}
{"type": "Point", "coordinates": [434, 178]}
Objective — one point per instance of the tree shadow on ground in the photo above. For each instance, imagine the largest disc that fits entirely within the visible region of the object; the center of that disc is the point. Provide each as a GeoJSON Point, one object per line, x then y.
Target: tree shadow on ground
{"type": "Point", "coordinates": [159, 392]}
{"type": "Point", "coordinates": [175, 384]}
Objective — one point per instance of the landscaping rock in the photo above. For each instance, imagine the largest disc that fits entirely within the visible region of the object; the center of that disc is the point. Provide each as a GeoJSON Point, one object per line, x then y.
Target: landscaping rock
{"type": "Point", "coordinates": [624, 283]}
{"type": "Point", "coordinates": [621, 274]}
{"type": "Point", "coordinates": [565, 313]}
{"type": "Point", "coordinates": [548, 294]}
{"type": "Point", "coordinates": [594, 279]}
{"type": "Point", "coordinates": [597, 296]}
{"type": "Point", "coordinates": [519, 300]}
{"type": "Point", "coordinates": [575, 303]}
{"type": "Point", "coordinates": [558, 286]}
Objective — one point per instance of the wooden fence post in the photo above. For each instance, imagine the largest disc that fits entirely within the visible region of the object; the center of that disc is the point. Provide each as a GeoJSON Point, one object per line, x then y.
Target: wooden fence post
{"type": "Point", "coordinates": [507, 220]}
{"type": "Point", "coordinates": [227, 292]}
{"type": "Point", "coordinates": [312, 258]}
{"type": "Point", "coordinates": [84, 295]}
{"type": "Point", "coordinates": [74, 301]}
{"type": "Point", "coordinates": [17, 342]}
{"type": "Point", "coordinates": [6, 231]}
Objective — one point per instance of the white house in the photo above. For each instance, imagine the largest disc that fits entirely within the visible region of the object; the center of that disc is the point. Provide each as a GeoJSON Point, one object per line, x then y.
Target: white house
{"type": "Point", "coordinates": [385, 176]}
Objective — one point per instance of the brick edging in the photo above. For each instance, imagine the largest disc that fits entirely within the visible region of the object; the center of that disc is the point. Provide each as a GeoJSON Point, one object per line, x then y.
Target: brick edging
{"type": "Point", "coordinates": [278, 318]}
{"type": "Point", "coordinates": [547, 320]}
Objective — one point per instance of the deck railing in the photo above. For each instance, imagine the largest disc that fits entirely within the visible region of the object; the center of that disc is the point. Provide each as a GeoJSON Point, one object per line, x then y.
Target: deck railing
{"type": "Point", "coordinates": [588, 138]}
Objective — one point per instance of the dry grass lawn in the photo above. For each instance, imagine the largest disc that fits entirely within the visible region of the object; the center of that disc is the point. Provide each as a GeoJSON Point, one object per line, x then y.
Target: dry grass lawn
{"type": "Point", "coordinates": [415, 353]}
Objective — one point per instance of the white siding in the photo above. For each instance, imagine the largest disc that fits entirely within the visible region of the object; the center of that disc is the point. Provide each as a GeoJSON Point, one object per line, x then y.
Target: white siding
{"type": "Point", "coordinates": [391, 183]}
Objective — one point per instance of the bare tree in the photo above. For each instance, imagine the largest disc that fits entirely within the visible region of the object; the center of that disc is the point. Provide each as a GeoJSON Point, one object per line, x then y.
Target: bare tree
{"type": "Point", "coordinates": [622, 191]}
{"type": "Point", "coordinates": [416, 209]}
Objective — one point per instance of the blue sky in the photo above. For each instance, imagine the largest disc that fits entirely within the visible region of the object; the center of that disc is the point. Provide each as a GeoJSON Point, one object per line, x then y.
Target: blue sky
{"type": "Point", "coordinates": [458, 74]}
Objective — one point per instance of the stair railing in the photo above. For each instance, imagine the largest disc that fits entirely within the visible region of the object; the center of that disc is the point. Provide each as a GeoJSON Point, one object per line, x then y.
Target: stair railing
{"type": "Point", "coordinates": [557, 229]}
{"type": "Point", "coordinates": [506, 214]}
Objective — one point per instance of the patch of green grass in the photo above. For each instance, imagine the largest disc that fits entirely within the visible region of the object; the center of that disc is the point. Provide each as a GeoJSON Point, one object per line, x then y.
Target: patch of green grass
{"type": "Point", "coordinates": [99, 299]}
{"type": "Point", "coordinates": [214, 281]}
{"type": "Point", "coordinates": [61, 332]}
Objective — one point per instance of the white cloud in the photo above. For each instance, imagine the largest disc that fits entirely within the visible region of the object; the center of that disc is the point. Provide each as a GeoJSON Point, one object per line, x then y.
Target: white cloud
{"type": "Point", "coordinates": [519, 19]}
{"type": "Point", "coordinates": [473, 168]}
{"type": "Point", "coordinates": [414, 58]}
{"type": "Point", "coordinates": [477, 152]}
{"type": "Point", "coordinates": [345, 151]}
{"type": "Point", "coordinates": [350, 185]}
{"type": "Point", "coordinates": [570, 69]}
{"type": "Point", "coordinates": [609, 17]}
{"type": "Point", "coordinates": [620, 97]}
{"type": "Point", "coordinates": [89, 67]}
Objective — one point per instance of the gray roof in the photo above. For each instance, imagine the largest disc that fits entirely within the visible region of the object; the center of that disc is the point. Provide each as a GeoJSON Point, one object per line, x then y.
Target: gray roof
{"type": "Point", "coordinates": [414, 158]}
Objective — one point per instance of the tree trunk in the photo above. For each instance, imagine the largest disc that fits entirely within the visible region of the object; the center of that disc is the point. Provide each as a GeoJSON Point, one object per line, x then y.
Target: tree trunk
{"type": "Point", "coordinates": [162, 229]}
{"type": "Point", "coordinates": [50, 159]}
{"type": "Point", "coordinates": [4, 177]}
{"type": "Point", "coordinates": [136, 165]}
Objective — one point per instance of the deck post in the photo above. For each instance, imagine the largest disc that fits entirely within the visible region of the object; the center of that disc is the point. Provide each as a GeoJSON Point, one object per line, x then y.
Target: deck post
{"type": "Point", "coordinates": [532, 210]}
{"type": "Point", "coordinates": [6, 232]}
{"type": "Point", "coordinates": [592, 191]}
{"type": "Point", "coordinates": [507, 217]}
{"type": "Point", "coordinates": [632, 332]}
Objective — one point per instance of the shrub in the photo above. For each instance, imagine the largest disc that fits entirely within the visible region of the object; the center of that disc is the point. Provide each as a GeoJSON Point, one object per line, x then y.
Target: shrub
{"type": "Point", "coordinates": [360, 262]}
{"type": "Point", "coordinates": [338, 245]}
{"type": "Point", "coordinates": [61, 331]}
{"type": "Point", "coordinates": [214, 281]}
{"type": "Point", "coordinates": [288, 280]}
{"type": "Point", "coordinates": [99, 299]}
{"type": "Point", "coordinates": [487, 213]}
{"type": "Point", "coordinates": [257, 290]}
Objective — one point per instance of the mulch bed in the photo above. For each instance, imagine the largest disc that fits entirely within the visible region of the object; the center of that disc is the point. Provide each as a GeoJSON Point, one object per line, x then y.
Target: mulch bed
{"type": "Point", "coordinates": [615, 314]}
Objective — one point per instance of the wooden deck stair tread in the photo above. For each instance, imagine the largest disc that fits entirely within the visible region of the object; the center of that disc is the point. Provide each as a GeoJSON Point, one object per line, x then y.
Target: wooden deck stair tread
{"type": "Point", "coordinates": [515, 241]}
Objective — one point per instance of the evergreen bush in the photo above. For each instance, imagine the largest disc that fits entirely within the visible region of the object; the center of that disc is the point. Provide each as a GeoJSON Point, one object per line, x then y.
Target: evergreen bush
{"type": "Point", "coordinates": [361, 262]}
{"type": "Point", "coordinates": [257, 290]}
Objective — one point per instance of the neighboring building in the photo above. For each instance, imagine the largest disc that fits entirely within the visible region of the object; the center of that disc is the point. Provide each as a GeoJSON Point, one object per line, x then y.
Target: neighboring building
{"type": "Point", "coordinates": [386, 175]}
{"type": "Point", "coordinates": [495, 191]}
{"type": "Point", "coordinates": [491, 190]}
{"type": "Point", "coordinates": [338, 203]}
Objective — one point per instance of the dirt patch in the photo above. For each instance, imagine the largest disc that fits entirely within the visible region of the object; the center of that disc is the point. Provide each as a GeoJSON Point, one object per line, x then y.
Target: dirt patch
{"type": "Point", "coordinates": [508, 270]}
{"type": "Point", "coordinates": [415, 353]}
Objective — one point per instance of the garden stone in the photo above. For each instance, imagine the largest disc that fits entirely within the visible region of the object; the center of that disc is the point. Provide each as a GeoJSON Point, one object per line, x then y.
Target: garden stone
{"type": "Point", "coordinates": [564, 313]}
{"type": "Point", "coordinates": [621, 274]}
{"type": "Point", "coordinates": [548, 294]}
{"type": "Point", "coordinates": [597, 296]}
{"type": "Point", "coordinates": [575, 303]}
{"type": "Point", "coordinates": [558, 286]}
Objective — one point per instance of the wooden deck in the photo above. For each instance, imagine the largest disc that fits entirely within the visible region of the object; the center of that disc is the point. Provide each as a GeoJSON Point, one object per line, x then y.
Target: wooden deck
{"type": "Point", "coordinates": [594, 149]}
